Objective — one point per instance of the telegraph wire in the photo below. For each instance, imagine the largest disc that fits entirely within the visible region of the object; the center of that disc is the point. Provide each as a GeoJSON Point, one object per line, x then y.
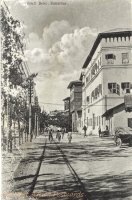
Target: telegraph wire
{"type": "Point", "coordinates": [63, 104]}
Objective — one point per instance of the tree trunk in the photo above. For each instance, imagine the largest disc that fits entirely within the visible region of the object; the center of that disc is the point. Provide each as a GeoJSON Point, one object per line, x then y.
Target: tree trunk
{"type": "Point", "coordinates": [19, 132]}
{"type": "Point", "coordinates": [14, 135]}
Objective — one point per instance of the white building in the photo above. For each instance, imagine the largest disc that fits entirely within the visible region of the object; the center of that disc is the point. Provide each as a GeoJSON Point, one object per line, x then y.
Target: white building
{"type": "Point", "coordinates": [107, 77]}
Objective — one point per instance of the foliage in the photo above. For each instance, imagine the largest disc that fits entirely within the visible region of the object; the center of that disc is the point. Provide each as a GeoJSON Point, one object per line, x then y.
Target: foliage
{"type": "Point", "coordinates": [61, 119]}
{"type": "Point", "coordinates": [43, 119]}
{"type": "Point", "coordinates": [14, 87]}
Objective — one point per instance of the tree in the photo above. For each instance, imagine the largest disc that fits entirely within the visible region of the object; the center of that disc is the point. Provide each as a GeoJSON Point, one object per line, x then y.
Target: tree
{"type": "Point", "coordinates": [61, 119]}
{"type": "Point", "coordinates": [15, 77]}
{"type": "Point", "coordinates": [44, 120]}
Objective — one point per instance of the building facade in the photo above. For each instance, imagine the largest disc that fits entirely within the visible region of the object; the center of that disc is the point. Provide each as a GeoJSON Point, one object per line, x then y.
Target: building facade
{"type": "Point", "coordinates": [120, 115]}
{"type": "Point", "coordinates": [75, 103]}
{"type": "Point", "coordinates": [67, 110]}
{"type": "Point", "coordinates": [107, 77]}
{"type": "Point", "coordinates": [67, 104]}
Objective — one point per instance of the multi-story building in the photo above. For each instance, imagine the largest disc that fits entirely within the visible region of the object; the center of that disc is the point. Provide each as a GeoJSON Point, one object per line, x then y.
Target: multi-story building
{"type": "Point", "coordinates": [75, 103]}
{"type": "Point", "coordinates": [107, 77]}
{"type": "Point", "coordinates": [67, 111]}
{"type": "Point", "coordinates": [67, 104]}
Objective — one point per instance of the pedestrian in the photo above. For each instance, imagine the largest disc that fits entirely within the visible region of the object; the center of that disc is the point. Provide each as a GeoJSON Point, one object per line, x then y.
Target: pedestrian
{"type": "Point", "coordinates": [85, 129]}
{"type": "Point", "coordinates": [99, 130]}
{"type": "Point", "coordinates": [50, 135]}
{"type": "Point", "coordinates": [107, 128]}
{"type": "Point", "coordinates": [58, 136]}
{"type": "Point", "coordinates": [63, 132]}
{"type": "Point", "coordinates": [69, 136]}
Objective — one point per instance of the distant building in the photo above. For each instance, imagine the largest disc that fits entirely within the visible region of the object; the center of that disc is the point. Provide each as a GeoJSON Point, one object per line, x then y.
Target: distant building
{"type": "Point", "coordinates": [107, 78]}
{"type": "Point", "coordinates": [75, 103]}
{"type": "Point", "coordinates": [67, 104]}
{"type": "Point", "coordinates": [67, 111]}
{"type": "Point", "coordinates": [55, 112]}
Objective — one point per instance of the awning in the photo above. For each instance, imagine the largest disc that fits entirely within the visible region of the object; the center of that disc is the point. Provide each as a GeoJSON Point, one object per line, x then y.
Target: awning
{"type": "Point", "coordinates": [108, 112]}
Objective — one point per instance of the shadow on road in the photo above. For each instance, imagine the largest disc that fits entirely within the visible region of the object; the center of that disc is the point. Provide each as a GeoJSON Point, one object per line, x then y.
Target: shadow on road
{"type": "Point", "coordinates": [109, 187]}
{"type": "Point", "coordinates": [101, 187]}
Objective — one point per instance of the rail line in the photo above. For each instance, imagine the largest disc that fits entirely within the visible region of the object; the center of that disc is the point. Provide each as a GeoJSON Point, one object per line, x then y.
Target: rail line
{"type": "Point", "coordinates": [80, 185]}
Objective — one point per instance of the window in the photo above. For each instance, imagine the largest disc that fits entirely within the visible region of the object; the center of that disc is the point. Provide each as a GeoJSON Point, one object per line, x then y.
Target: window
{"type": "Point", "coordinates": [100, 89]}
{"type": "Point", "coordinates": [110, 58]}
{"type": "Point", "coordinates": [95, 121]}
{"type": "Point", "coordinates": [92, 71]}
{"type": "Point", "coordinates": [88, 99]}
{"type": "Point", "coordinates": [100, 60]}
{"type": "Point", "coordinates": [114, 88]}
{"type": "Point", "coordinates": [88, 78]}
{"type": "Point", "coordinates": [96, 92]}
{"type": "Point", "coordinates": [98, 63]}
{"type": "Point", "coordinates": [125, 58]}
{"type": "Point", "coordinates": [91, 98]}
{"type": "Point", "coordinates": [126, 87]}
{"type": "Point", "coordinates": [96, 67]}
{"type": "Point", "coordinates": [92, 94]}
{"type": "Point", "coordinates": [130, 122]}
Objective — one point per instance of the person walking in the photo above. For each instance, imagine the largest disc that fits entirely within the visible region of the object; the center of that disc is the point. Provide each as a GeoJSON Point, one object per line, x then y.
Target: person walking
{"type": "Point", "coordinates": [50, 135]}
{"type": "Point", "coordinates": [63, 132]}
{"type": "Point", "coordinates": [58, 136]}
{"type": "Point", "coordinates": [99, 130]}
{"type": "Point", "coordinates": [69, 136]}
{"type": "Point", "coordinates": [85, 129]}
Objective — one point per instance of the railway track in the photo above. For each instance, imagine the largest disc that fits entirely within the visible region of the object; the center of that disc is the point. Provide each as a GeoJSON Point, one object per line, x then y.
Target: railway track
{"type": "Point", "coordinates": [78, 182]}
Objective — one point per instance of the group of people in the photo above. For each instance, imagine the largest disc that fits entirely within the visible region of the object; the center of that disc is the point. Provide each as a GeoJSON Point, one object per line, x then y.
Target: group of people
{"type": "Point", "coordinates": [59, 135]}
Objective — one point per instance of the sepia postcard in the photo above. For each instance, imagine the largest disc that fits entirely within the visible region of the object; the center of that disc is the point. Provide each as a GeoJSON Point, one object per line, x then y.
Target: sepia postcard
{"type": "Point", "coordinates": [66, 99]}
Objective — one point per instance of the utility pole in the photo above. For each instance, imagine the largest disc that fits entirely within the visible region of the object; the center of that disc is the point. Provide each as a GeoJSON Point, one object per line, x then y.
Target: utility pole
{"type": "Point", "coordinates": [30, 91]}
{"type": "Point", "coordinates": [37, 126]}
{"type": "Point", "coordinates": [36, 116]}
{"type": "Point", "coordinates": [30, 112]}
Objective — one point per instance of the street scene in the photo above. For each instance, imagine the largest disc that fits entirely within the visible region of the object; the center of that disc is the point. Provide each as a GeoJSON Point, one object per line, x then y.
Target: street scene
{"type": "Point", "coordinates": [66, 100]}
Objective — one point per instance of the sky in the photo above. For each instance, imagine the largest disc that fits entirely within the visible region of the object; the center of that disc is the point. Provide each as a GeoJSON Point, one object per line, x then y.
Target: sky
{"type": "Point", "coordinates": [59, 38]}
